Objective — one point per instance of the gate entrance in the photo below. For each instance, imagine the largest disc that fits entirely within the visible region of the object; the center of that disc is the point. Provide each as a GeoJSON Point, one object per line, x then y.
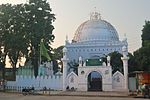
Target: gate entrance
{"type": "Point", "coordinates": [94, 81]}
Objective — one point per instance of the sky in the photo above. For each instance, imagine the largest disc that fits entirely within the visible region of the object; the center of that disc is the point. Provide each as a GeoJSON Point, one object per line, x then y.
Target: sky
{"type": "Point", "coordinates": [127, 16]}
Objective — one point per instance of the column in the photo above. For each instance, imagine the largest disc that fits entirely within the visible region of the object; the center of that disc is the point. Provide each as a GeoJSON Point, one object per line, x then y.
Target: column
{"type": "Point", "coordinates": [125, 59]}
{"type": "Point", "coordinates": [65, 61]}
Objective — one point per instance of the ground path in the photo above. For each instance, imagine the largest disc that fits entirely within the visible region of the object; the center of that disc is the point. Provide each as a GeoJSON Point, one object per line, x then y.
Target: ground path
{"type": "Point", "coordinates": [13, 96]}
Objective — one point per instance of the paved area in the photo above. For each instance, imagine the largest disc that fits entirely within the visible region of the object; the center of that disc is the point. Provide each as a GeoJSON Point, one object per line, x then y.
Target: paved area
{"type": "Point", "coordinates": [89, 94]}
{"type": "Point", "coordinates": [13, 96]}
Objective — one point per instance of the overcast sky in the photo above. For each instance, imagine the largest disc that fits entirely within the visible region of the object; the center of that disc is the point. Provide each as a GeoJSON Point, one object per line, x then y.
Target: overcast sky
{"type": "Point", "coordinates": [127, 16]}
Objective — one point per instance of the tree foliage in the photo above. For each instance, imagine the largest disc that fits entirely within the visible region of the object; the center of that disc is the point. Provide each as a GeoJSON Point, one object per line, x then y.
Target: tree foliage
{"type": "Point", "coordinates": [146, 34]}
{"type": "Point", "coordinates": [116, 61]}
{"type": "Point", "coordinates": [132, 65]}
{"type": "Point", "coordinates": [142, 55]}
{"type": "Point", "coordinates": [12, 35]}
{"type": "Point", "coordinates": [22, 27]}
{"type": "Point", "coordinates": [39, 27]}
{"type": "Point", "coordinates": [57, 55]}
{"type": "Point", "coordinates": [142, 58]}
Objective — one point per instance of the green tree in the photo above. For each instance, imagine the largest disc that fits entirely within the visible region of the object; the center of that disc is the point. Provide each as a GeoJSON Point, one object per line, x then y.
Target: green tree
{"type": "Point", "coordinates": [146, 34]}
{"type": "Point", "coordinates": [142, 55]}
{"type": "Point", "coordinates": [39, 26]}
{"type": "Point", "coordinates": [57, 55]}
{"type": "Point", "coordinates": [142, 58]}
{"type": "Point", "coordinates": [116, 61]}
{"type": "Point", "coordinates": [22, 27]}
{"type": "Point", "coordinates": [12, 33]}
{"type": "Point", "coordinates": [132, 65]}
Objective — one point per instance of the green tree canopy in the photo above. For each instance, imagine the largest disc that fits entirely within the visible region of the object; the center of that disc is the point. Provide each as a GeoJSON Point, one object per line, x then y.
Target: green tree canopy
{"type": "Point", "coordinates": [142, 55]}
{"type": "Point", "coordinates": [39, 26]}
{"type": "Point", "coordinates": [146, 34]}
{"type": "Point", "coordinates": [132, 65]}
{"type": "Point", "coordinates": [22, 27]}
{"type": "Point", "coordinates": [116, 61]}
{"type": "Point", "coordinates": [12, 33]}
{"type": "Point", "coordinates": [142, 58]}
{"type": "Point", "coordinates": [57, 55]}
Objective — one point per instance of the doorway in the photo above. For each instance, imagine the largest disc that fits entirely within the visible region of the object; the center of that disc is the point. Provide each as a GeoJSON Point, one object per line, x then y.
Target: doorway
{"type": "Point", "coordinates": [94, 81]}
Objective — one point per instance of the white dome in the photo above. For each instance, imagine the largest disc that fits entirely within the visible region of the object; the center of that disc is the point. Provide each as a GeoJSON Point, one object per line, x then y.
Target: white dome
{"type": "Point", "coordinates": [95, 29]}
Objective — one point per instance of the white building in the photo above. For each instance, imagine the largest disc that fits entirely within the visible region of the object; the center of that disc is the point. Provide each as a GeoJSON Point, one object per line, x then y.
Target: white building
{"type": "Point", "coordinates": [95, 38]}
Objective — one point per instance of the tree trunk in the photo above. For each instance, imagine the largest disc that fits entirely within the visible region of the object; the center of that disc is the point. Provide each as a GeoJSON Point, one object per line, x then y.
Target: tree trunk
{"type": "Point", "coordinates": [36, 63]}
{"type": "Point", "coordinates": [14, 74]}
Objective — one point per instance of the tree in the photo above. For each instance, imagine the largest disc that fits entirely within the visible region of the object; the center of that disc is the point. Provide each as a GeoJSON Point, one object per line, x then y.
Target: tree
{"type": "Point", "coordinates": [22, 27]}
{"type": "Point", "coordinates": [73, 66]}
{"type": "Point", "coordinates": [57, 55]}
{"type": "Point", "coordinates": [142, 58]}
{"type": "Point", "coordinates": [146, 34]}
{"type": "Point", "coordinates": [116, 61]}
{"type": "Point", "coordinates": [12, 33]}
{"type": "Point", "coordinates": [39, 26]}
{"type": "Point", "coordinates": [142, 55]}
{"type": "Point", "coordinates": [132, 65]}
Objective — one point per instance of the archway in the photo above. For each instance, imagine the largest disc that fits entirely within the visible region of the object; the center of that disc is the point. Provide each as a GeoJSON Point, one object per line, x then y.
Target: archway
{"type": "Point", "coordinates": [94, 81]}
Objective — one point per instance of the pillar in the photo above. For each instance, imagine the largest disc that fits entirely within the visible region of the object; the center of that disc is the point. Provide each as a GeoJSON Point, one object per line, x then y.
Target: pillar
{"type": "Point", "coordinates": [80, 61]}
{"type": "Point", "coordinates": [125, 59]}
{"type": "Point", "coordinates": [108, 60]}
{"type": "Point", "coordinates": [65, 61]}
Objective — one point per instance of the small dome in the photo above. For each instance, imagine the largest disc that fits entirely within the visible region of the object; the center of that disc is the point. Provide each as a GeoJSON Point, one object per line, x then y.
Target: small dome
{"type": "Point", "coordinates": [95, 29]}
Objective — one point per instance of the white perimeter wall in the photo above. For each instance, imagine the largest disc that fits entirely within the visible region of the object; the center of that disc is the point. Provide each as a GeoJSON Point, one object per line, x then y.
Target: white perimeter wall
{"type": "Point", "coordinates": [53, 82]}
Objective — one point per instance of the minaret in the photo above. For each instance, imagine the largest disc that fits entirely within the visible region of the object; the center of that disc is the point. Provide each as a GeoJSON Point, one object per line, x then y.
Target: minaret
{"type": "Point", "coordinates": [65, 61]}
{"type": "Point", "coordinates": [125, 59]}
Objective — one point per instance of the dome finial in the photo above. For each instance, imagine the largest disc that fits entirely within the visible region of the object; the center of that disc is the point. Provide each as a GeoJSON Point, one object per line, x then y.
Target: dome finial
{"type": "Point", "coordinates": [125, 37]}
{"type": "Point", "coordinates": [95, 15]}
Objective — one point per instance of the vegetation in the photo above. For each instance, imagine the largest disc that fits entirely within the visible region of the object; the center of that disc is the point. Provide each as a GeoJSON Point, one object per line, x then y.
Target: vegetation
{"type": "Point", "coordinates": [146, 34]}
{"type": "Point", "coordinates": [57, 55]}
{"type": "Point", "coordinates": [116, 61]}
{"type": "Point", "coordinates": [22, 27]}
{"type": "Point", "coordinates": [142, 55]}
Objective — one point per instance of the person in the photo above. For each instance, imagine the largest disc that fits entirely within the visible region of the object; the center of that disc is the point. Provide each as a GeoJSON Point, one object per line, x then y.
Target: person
{"type": "Point", "coordinates": [67, 88]}
{"type": "Point", "coordinates": [44, 89]}
{"type": "Point", "coordinates": [32, 89]}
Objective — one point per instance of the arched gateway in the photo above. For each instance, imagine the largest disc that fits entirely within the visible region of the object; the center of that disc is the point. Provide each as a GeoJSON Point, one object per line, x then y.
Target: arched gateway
{"type": "Point", "coordinates": [94, 81]}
